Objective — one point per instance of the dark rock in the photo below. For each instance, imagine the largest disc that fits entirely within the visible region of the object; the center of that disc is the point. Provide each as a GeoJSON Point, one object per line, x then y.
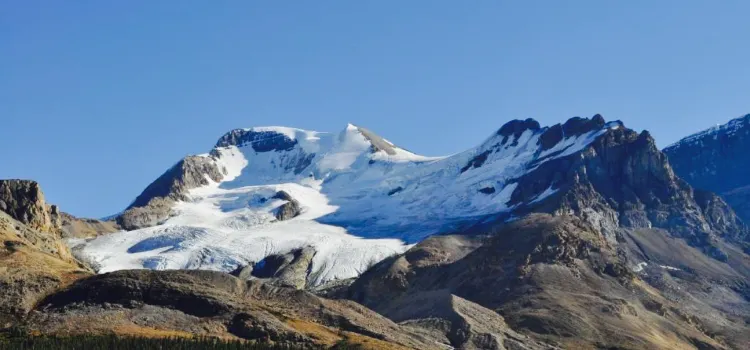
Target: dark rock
{"type": "Point", "coordinates": [551, 137]}
{"type": "Point", "coordinates": [260, 141]}
{"type": "Point", "coordinates": [487, 190]}
{"type": "Point", "coordinates": [477, 161]}
{"type": "Point", "coordinates": [283, 195]}
{"type": "Point", "coordinates": [717, 160]}
{"type": "Point", "coordinates": [395, 190]}
{"type": "Point", "coordinates": [578, 126]}
{"type": "Point", "coordinates": [516, 127]}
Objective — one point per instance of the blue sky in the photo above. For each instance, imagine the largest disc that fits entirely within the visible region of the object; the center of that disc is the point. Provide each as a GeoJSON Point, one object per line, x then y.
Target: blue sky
{"type": "Point", "coordinates": [98, 98]}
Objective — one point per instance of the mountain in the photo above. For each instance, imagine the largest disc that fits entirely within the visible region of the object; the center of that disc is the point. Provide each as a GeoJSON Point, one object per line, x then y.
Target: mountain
{"type": "Point", "coordinates": [576, 235]}
{"type": "Point", "coordinates": [716, 160]}
{"type": "Point", "coordinates": [623, 254]}
{"type": "Point", "coordinates": [34, 260]}
{"type": "Point", "coordinates": [350, 198]}
{"type": "Point", "coordinates": [46, 292]}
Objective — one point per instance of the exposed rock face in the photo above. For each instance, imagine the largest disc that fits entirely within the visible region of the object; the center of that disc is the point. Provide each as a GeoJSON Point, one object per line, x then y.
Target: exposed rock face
{"type": "Point", "coordinates": [157, 211]}
{"type": "Point", "coordinates": [377, 143]}
{"type": "Point", "coordinates": [24, 201]}
{"type": "Point", "coordinates": [517, 127]}
{"type": "Point", "coordinates": [260, 141]}
{"type": "Point", "coordinates": [623, 180]}
{"type": "Point", "coordinates": [287, 210]}
{"type": "Point", "coordinates": [291, 269]}
{"type": "Point", "coordinates": [154, 204]}
{"type": "Point", "coordinates": [717, 160]}
{"type": "Point", "coordinates": [34, 261]}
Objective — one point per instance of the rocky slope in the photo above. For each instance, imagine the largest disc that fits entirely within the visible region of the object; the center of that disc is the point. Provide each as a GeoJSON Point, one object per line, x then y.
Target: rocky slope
{"type": "Point", "coordinates": [625, 246]}
{"type": "Point", "coordinates": [557, 279]}
{"type": "Point", "coordinates": [577, 235]}
{"type": "Point", "coordinates": [47, 292]}
{"type": "Point", "coordinates": [716, 160]}
{"type": "Point", "coordinates": [34, 261]}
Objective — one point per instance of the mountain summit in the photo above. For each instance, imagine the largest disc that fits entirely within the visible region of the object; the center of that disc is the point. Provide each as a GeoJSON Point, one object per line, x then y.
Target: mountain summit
{"type": "Point", "coordinates": [335, 203]}
{"type": "Point", "coordinates": [575, 235]}
{"type": "Point", "coordinates": [717, 160]}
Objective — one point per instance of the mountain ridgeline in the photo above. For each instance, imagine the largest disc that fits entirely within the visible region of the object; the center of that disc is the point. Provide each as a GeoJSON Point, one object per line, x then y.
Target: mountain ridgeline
{"type": "Point", "coordinates": [717, 160]}
{"type": "Point", "coordinates": [579, 235]}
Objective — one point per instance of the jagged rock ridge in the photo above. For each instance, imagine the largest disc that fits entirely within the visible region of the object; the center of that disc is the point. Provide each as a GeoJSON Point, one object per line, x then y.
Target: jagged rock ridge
{"type": "Point", "coordinates": [717, 160]}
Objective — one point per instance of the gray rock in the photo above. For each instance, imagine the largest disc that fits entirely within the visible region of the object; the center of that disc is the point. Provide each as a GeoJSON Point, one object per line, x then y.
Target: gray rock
{"type": "Point", "coordinates": [153, 205]}
{"type": "Point", "coordinates": [24, 201]}
{"type": "Point", "coordinates": [291, 269]}
{"type": "Point", "coordinates": [377, 143]}
{"type": "Point", "coordinates": [288, 210]}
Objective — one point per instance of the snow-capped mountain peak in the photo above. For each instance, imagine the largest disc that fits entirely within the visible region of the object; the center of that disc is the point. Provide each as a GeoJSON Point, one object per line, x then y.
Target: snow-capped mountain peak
{"type": "Point", "coordinates": [352, 197]}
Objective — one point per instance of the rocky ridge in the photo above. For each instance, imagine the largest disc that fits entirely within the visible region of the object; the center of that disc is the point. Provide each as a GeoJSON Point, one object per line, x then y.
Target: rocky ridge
{"type": "Point", "coordinates": [603, 245]}
{"type": "Point", "coordinates": [716, 160]}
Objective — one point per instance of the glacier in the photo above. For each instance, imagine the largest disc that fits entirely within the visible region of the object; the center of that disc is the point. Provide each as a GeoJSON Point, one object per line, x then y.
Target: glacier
{"type": "Point", "coordinates": [361, 198]}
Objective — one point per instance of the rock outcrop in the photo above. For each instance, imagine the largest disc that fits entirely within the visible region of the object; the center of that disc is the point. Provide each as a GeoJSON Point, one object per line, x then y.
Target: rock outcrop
{"type": "Point", "coordinates": [154, 204]}
{"type": "Point", "coordinates": [34, 261]}
{"type": "Point", "coordinates": [260, 141]}
{"type": "Point", "coordinates": [24, 201]}
{"type": "Point", "coordinates": [290, 270]}
{"type": "Point", "coordinates": [622, 180]}
{"type": "Point", "coordinates": [287, 210]}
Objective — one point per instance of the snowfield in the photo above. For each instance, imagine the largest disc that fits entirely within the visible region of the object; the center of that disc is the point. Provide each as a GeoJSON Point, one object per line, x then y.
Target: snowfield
{"type": "Point", "coordinates": [362, 199]}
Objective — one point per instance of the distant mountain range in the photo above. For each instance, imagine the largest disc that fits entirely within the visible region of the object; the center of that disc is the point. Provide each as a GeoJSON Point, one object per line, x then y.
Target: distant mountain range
{"type": "Point", "coordinates": [578, 235]}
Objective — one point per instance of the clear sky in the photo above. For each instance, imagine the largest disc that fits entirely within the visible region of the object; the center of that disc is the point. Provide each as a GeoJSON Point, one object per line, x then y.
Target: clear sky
{"type": "Point", "coordinates": [98, 98]}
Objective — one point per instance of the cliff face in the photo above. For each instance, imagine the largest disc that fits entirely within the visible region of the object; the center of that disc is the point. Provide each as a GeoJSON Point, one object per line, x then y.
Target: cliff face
{"type": "Point", "coordinates": [24, 201]}
{"type": "Point", "coordinates": [622, 180]}
{"type": "Point", "coordinates": [717, 160]}
{"type": "Point", "coordinates": [34, 260]}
